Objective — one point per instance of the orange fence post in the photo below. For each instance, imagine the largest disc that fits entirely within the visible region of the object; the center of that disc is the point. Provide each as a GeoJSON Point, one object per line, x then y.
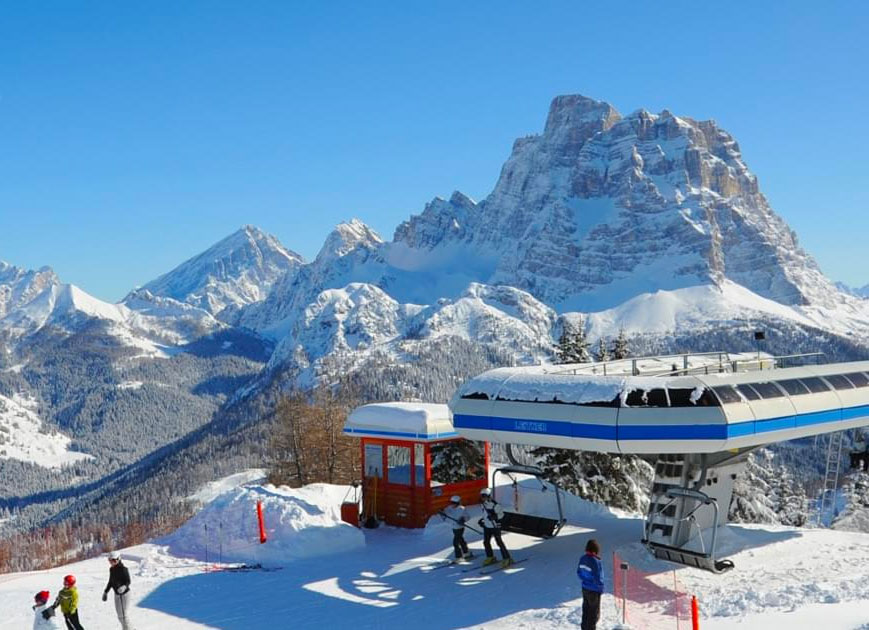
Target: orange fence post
{"type": "Point", "coordinates": [695, 613]}
{"type": "Point", "coordinates": [262, 526]}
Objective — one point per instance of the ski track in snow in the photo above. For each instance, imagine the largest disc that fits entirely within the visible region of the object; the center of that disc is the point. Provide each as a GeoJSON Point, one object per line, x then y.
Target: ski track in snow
{"type": "Point", "coordinates": [784, 577]}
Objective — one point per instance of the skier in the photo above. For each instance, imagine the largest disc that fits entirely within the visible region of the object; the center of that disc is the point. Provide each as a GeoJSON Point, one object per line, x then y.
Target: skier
{"type": "Point", "coordinates": [590, 572]}
{"type": "Point", "coordinates": [491, 524]}
{"type": "Point", "coordinates": [40, 621]}
{"type": "Point", "coordinates": [67, 599]}
{"type": "Point", "coordinates": [119, 581]}
{"type": "Point", "coordinates": [455, 511]}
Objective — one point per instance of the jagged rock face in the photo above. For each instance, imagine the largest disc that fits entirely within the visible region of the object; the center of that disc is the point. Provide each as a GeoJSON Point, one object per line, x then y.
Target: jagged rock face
{"type": "Point", "coordinates": [352, 324]}
{"type": "Point", "coordinates": [19, 287]}
{"type": "Point", "coordinates": [600, 207]}
{"type": "Point", "coordinates": [351, 253]}
{"type": "Point", "coordinates": [239, 270]}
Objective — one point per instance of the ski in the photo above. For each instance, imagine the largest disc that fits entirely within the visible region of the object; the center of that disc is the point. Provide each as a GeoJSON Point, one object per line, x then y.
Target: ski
{"type": "Point", "coordinates": [239, 568]}
{"type": "Point", "coordinates": [445, 564]}
{"type": "Point", "coordinates": [497, 567]}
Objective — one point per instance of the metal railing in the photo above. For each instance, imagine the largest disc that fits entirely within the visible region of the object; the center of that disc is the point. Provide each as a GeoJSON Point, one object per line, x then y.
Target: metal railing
{"type": "Point", "coordinates": [693, 363]}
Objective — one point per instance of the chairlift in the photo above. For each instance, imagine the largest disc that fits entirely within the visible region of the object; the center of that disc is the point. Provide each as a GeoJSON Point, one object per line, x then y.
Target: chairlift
{"type": "Point", "coordinates": [528, 524]}
{"type": "Point", "coordinates": [689, 557]}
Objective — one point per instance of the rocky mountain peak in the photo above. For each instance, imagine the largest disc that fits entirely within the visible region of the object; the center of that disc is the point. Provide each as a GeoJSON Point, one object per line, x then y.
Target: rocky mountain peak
{"type": "Point", "coordinates": [573, 119]}
{"type": "Point", "coordinates": [237, 270]}
{"type": "Point", "coordinates": [347, 237]}
{"type": "Point", "coordinates": [18, 286]}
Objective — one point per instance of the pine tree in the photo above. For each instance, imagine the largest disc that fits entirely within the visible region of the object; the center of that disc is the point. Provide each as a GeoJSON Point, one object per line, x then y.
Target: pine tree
{"type": "Point", "coordinates": [572, 344]}
{"type": "Point", "coordinates": [603, 353]}
{"type": "Point", "coordinates": [620, 348]}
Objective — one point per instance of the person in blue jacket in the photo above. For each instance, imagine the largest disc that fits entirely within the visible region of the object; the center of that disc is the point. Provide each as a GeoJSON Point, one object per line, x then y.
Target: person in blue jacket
{"type": "Point", "coordinates": [590, 573]}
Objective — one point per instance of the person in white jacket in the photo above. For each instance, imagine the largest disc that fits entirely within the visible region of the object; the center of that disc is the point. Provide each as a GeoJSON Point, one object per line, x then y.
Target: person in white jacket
{"type": "Point", "coordinates": [491, 524]}
{"type": "Point", "coordinates": [40, 621]}
{"type": "Point", "coordinates": [455, 511]}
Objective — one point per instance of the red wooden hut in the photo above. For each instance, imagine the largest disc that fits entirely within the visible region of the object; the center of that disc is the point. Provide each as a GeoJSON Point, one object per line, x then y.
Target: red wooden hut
{"type": "Point", "coordinates": [413, 461]}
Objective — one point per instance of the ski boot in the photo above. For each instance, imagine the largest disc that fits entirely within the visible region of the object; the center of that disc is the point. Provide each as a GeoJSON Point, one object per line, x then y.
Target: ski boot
{"type": "Point", "coordinates": [489, 560]}
{"type": "Point", "coordinates": [506, 562]}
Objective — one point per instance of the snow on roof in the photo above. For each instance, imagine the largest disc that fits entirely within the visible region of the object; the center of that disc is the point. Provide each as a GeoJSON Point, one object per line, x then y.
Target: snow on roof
{"type": "Point", "coordinates": [413, 421]}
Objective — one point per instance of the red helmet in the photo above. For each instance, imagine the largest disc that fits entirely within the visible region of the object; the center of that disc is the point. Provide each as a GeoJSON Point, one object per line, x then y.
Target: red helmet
{"type": "Point", "coordinates": [69, 580]}
{"type": "Point", "coordinates": [42, 596]}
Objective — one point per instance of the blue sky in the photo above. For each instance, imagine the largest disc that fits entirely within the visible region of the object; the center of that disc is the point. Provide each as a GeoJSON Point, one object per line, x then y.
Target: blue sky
{"type": "Point", "coordinates": [135, 135]}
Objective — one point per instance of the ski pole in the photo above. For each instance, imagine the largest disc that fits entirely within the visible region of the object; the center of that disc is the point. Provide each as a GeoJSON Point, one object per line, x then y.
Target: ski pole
{"type": "Point", "coordinates": [459, 522]}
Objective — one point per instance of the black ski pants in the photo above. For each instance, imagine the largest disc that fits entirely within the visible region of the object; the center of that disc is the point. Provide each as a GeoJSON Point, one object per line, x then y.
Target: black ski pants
{"type": "Point", "coordinates": [72, 622]}
{"type": "Point", "coordinates": [494, 532]}
{"type": "Point", "coordinates": [459, 544]}
{"type": "Point", "coordinates": [590, 609]}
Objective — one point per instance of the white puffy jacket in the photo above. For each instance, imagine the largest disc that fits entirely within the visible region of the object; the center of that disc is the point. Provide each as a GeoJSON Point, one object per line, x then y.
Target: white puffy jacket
{"type": "Point", "coordinates": [457, 515]}
{"type": "Point", "coordinates": [41, 623]}
{"type": "Point", "coordinates": [492, 509]}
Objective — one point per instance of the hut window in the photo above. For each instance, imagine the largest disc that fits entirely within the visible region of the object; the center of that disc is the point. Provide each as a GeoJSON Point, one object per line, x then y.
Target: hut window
{"type": "Point", "coordinates": [398, 465]}
{"type": "Point", "coordinates": [457, 460]}
{"type": "Point", "coordinates": [374, 460]}
{"type": "Point", "coordinates": [419, 464]}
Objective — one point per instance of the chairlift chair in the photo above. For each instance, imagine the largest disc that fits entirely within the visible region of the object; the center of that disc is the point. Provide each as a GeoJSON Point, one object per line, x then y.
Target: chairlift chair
{"type": "Point", "coordinates": [700, 559]}
{"type": "Point", "coordinates": [528, 524]}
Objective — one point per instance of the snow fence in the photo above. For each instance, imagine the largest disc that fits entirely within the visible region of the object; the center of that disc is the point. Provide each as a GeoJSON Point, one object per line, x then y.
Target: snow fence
{"type": "Point", "coordinates": [299, 523]}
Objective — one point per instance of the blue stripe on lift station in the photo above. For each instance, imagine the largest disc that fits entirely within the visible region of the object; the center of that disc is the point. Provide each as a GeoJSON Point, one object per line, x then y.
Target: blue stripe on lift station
{"type": "Point", "coordinates": [656, 431]}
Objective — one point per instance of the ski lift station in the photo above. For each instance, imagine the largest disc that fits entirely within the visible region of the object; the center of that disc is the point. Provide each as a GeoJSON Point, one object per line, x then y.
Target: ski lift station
{"type": "Point", "coordinates": [413, 461]}
{"type": "Point", "coordinates": [694, 417]}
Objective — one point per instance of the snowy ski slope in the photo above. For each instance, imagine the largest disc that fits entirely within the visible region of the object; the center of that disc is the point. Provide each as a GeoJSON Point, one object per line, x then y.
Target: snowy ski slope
{"type": "Point", "coordinates": [784, 577]}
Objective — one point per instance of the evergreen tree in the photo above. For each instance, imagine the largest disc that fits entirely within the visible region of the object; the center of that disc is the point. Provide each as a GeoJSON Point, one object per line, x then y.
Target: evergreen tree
{"type": "Point", "coordinates": [620, 348]}
{"type": "Point", "coordinates": [603, 353]}
{"type": "Point", "coordinates": [620, 481]}
{"type": "Point", "coordinates": [572, 344]}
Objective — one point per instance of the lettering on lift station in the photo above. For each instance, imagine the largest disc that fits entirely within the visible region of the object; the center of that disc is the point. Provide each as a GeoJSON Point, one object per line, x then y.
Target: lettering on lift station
{"type": "Point", "coordinates": [532, 427]}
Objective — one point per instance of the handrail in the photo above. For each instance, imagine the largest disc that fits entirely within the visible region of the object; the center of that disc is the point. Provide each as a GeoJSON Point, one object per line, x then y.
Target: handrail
{"type": "Point", "coordinates": [724, 364]}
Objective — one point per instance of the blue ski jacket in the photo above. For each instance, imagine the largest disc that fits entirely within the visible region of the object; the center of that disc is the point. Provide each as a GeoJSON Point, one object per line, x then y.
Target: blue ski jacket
{"type": "Point", "coordinates": [590, 573]}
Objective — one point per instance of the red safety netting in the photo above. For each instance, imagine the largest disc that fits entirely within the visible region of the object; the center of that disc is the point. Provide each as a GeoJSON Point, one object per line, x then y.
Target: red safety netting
{"type": "Point", "coordinates": [650, 601]}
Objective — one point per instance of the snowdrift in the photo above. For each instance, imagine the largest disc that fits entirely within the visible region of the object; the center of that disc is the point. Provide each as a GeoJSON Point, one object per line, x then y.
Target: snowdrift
{"type": "Point", "coordinates": [299, 523]}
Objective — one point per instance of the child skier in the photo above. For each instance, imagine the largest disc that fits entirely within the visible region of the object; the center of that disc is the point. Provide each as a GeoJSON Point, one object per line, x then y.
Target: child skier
{"type": "Point", "coordinates": [455, 511]}
{"type": "Point", "coordinates": [491, 524]}
{"type": "Point", "coordinates": [119, 581]}
{"type": "Point", "coordinates": [67, 599]}
{"type": "Point", "coordinates": [40, 621]}
{"type": "Point", "coordinates": [590, 573]}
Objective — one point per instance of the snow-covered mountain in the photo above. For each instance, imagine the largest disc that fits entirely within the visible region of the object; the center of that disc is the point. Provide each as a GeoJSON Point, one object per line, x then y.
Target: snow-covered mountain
{"type": "Point", "coordinates": [360, 321]}
{"type": "Point", "coordinates": [600, 207]}
{"type": "Point", "coordinates": [236, 271]}
{"type": "Point", "coordinates": [861, 292]}
{"type": "Point", "coordinates": [34, 301]}
{"type": "Point", "coordinates": [650, 223]}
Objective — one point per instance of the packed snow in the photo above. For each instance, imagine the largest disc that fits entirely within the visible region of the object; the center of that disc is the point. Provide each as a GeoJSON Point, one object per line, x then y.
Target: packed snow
{"type": "Point", "coordinates": [301, 523]}
{"type": "Point", "coordinates": [322, 573]}
{"type": "Point", "coordinates": [24, 437]}
{"type": "Point", "coordinates": [421, 420]}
